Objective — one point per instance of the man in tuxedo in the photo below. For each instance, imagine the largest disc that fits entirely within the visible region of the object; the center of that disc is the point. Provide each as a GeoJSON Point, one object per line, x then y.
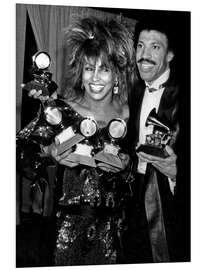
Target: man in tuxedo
{"type": "Point", "coordinates": [154, 227]}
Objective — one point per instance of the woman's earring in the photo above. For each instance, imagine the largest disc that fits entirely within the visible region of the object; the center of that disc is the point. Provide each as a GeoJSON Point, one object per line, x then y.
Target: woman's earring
{"type": "Point", "coordinates": [115, 88]}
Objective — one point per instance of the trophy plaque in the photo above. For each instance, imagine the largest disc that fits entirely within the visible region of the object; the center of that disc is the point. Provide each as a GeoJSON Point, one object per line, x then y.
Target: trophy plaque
{"type": "Point", "coordinates": [67, 139]}
{"type": "Point", "coordinates": [117, 130]}
{"type": "Point", "coordinates": [155, 143]}
{"type": "Point", "coordinates": [83, 151]}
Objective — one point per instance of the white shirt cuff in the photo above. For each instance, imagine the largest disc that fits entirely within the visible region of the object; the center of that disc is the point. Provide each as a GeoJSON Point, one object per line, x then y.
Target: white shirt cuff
{"type": "Point", "coordinates": [172, 184]}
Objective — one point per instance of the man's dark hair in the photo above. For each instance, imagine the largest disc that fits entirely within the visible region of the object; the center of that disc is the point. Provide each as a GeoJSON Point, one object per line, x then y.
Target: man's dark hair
{"type": "Point", "coordinates": [163, 26]}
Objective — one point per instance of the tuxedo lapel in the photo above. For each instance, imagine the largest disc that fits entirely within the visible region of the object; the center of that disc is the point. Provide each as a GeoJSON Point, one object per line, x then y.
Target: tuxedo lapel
{"type": "Point", "coordinates": [135, 109]}
{"type": "Point", "coordinates": [168, 103]}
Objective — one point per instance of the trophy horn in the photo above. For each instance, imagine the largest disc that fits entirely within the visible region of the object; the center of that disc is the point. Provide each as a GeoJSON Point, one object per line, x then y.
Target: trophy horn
{"type": "Point", "coordinates": [153, 119]}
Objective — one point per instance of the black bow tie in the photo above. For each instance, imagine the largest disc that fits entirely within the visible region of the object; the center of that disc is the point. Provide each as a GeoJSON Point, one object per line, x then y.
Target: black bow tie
{"type": "Point", "coordinates": [151, 90]}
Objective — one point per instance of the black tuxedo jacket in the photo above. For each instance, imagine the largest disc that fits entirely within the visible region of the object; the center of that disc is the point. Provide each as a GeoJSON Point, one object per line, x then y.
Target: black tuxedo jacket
{"type": "Point", "coordinates": [168, 109]}
{"type": "Point", "coordinates": [158, 198]}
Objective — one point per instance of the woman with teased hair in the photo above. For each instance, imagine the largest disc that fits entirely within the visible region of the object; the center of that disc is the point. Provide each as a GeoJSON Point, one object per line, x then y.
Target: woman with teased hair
{"type": "Point", "coordinates": [109, 41]}
{"type": "Point", "coordinates": [100, 70]}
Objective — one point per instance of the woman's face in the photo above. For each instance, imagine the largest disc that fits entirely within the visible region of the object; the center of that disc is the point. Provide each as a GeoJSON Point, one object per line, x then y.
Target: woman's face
{"type": "Point", "coordinates": [97, 79]}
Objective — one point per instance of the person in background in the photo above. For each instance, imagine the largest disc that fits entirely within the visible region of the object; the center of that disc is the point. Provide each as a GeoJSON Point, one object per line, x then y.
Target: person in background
{"type": "Point", "coordinates": [152, 234]}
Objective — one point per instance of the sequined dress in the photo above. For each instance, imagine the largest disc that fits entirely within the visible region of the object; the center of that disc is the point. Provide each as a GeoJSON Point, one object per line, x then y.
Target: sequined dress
{"type": "Point", "coordinates": [90, 210]}
{"type": "Point", "coordinates": [89, 218]}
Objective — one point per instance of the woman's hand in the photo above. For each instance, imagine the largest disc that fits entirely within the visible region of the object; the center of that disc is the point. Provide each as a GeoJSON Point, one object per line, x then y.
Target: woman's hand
{"type": "Point", "coordinates": [61, 159]}
{"type": "Point", "coordinates": [125, 159]}
{"type": "Point", "coordinates": [37, 94]}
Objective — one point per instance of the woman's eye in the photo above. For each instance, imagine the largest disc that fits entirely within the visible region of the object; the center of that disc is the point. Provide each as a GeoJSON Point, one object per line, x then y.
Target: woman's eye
{"type": "Point", "coordinates": [106, 69]}
{"type": "Point", "coordinates": [87, 68]}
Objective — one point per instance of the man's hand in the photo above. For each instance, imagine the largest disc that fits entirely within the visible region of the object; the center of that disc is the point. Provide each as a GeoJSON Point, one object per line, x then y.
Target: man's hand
{"type": "Point", "coordinates": [167, 165]}
{"type": "Point", "coordinates": [125, 159]}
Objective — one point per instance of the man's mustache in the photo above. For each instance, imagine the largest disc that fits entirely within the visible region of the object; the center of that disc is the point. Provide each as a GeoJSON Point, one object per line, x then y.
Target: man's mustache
{"type": "Point", "coordinates": [146, 60]}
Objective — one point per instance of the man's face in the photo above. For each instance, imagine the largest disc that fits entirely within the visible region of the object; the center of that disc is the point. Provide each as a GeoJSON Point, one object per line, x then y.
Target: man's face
{"type": "Point", "coordinates": [152, 55]}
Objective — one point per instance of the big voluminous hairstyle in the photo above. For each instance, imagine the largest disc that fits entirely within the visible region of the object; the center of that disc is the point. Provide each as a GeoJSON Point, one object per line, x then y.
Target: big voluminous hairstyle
{"type": "Point", "coordinates": [94, 38]}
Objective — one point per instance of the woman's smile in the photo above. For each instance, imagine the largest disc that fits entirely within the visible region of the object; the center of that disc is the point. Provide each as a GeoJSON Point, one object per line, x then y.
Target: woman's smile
{"type": "Point", "coordinates": [96, 87]}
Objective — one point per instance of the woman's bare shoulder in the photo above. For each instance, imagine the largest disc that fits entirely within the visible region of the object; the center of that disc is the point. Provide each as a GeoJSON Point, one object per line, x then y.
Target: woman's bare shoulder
{"type": "Point", "coordinates": [122, 109]}
{"type": "Point", "coordinates": [78, 106]}
{"type": "Point", "coordinates": [125, 112]}
{"type": "Point", "coordinates": [74, 103]}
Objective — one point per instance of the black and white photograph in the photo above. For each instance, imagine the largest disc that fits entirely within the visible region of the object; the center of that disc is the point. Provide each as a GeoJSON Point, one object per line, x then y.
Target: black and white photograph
{"type": "Point", "coordinates": [102, 135]}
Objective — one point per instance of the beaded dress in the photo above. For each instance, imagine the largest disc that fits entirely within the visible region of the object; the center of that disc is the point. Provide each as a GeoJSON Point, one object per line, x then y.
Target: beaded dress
{"type": "Point", "coordinates": [90, 209]}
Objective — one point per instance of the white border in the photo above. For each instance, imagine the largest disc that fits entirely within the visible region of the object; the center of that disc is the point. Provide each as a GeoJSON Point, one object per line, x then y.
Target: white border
{"type": "Point", "coordinates": [7, 185]}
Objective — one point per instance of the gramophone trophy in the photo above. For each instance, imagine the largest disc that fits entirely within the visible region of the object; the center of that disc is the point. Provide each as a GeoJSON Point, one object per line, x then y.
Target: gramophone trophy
{"type": "Point", "coordinates": [117, 130]}
{"type": "Point", "coordinates": [83, 153]}
{"type": "Point", "coordinates": [155, 143]}
{"type": "Point", "coordinates": [48, 122]}
{"type": "Point", "coordinates": [40, 130]}
{"type": "Point", "coordinates": [41, 75]}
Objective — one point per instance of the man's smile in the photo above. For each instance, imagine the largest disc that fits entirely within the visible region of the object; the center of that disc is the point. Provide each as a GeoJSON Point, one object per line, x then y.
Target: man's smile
{"type": "Point", "coordinates": [146, 66]}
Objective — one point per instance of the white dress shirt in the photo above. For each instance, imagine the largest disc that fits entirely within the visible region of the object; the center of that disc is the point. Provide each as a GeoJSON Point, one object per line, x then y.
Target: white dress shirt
{"type": "Point", "coordinates": [151, 100]}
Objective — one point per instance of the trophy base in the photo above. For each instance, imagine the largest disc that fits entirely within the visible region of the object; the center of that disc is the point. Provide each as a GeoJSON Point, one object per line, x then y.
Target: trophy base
{"type": "Point", "coordinates": [109, 158]}
{"type": "Point", "coordinates": [61, 148]}
{"type": "Point", "coordinates": [152, 150]}
{"type": "Point", "coordinates": [85, 160]}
